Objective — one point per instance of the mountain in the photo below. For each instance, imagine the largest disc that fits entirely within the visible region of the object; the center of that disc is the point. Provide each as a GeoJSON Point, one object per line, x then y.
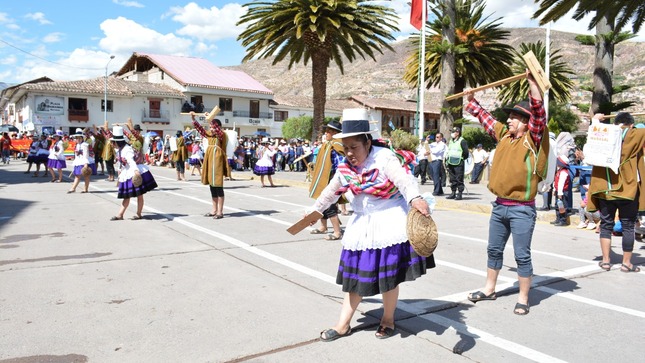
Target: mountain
{"type": "Point", "coordinates": [384, 78]}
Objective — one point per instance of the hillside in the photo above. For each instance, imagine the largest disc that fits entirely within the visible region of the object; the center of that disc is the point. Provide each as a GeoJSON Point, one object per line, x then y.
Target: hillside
{"type": "Point", "coordinates": [383, 78]}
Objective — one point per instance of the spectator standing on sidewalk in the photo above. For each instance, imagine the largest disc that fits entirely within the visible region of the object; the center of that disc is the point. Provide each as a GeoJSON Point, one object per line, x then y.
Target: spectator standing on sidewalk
{"type": "Point", "coordinates": [480, 159]}
{"type": "Point", "coordinates": [438, 150]}
{"type": "Point", "coordinates": [561, 188]}
{"type": "Point", "coordinates": [423, 151]}
{"type": "Point", "coordinates": [456, 156]}
{"type": "Point", "coordinates": [520, 162]}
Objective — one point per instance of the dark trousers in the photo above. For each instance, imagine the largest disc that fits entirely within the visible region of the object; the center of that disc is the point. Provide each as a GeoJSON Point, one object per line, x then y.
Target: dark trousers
{"type": "Point", "coordinates": [456, 174]}
{"type": "Point", "coordinates": [442, 170]}
{"type": "Point", "coordinates": [436, 167]}
{"type": "Point", "coordinates": [477, 170]}
{"type": "Point", "coordinates": [627, 212]}
{"type": "Point", "coordinates": [421, 169]}
{"type": "Point", "coordinates": [566, 201]}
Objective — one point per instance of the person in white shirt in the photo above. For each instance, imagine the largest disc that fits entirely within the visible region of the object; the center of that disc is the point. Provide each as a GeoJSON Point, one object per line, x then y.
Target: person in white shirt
{"type": "Point", "coordinates": [480, 159]}
{"type": "Point", "coordinates": [437, 153]}
{"type": "Point", "coordinates": [423, 151]}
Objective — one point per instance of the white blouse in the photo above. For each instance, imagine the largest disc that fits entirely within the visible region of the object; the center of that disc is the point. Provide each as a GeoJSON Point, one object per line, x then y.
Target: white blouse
{"type": "Point", "coordinates": [81, 153]}
{"type": "Point", "coordinates": [376, 222]}
{"type": "Point", "coordinates": [125, 162]}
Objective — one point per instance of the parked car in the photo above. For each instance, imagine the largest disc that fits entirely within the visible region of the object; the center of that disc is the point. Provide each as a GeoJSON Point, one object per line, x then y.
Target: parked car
{"type": "Point", "coordinates": [8, 128]}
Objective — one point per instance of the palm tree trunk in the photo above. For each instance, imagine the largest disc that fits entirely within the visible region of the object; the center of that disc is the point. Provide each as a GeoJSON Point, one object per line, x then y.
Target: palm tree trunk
{"type": "Point", "coordinates": [603, 65]}
{"type": "Point", "coordinates": [448, 68]}
{"type": "Point", "coordinates": [319, 66]}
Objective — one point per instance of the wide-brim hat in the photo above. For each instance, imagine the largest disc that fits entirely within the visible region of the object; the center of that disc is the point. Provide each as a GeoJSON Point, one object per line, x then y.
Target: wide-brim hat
{"type": "Point", "coordinates": [523, 108]}
{"type": "Point", "coordinates": [117, 134]}
{"type": "Point", "coordinates": [422, 233]}
{"type": "Point", "coordinates": [59, 133]}
{"type": "Point", "coordinates": [335, 125]}
{"type": "Point", "coordinates": [355, 122]}
{"type": "Point", "coordinates": [78, 133]}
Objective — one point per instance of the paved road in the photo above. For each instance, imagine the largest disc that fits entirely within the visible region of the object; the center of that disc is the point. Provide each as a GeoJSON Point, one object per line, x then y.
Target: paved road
{"type": "Point", "coordinates": [179, 287]}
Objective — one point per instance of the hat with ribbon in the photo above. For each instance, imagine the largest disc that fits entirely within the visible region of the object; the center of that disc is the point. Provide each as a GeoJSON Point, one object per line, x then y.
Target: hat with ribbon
{"type": "Point", "coordinates": [335, 125]}
{"type": "Point", "coordinates": [59, 133]}
{"type": "Point", "coordinates": [523, 108]}
{"type": "Point", "coordinates": [117, 134]}
{"type": "Point", "coordinates": [78, 133]}
{"type": "Point", "coordinates": [355, 122]}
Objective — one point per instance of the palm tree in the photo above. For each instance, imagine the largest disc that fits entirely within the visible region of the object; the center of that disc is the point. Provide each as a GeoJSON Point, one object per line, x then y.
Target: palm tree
{"type": "Point", "coordinates": [316, 30]}
{"type": "Point", "coordinates": [480, 57]}
{"type": "Point", "coordinates": [559, 73]}
{"type": "Point", "coordinates": [623, 11]}
{"type": "Point", "coordinates": [607, 35]}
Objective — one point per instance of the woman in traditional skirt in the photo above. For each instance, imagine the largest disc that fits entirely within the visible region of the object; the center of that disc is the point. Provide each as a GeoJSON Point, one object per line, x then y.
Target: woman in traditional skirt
{"type": "Point", "coordinates": [264, 165]}
{"type": "Point", "coordinates": [57, 157]}
{"type": "Point", "coordinates": [42, 154]}
{"type": "Point", "coordinates": [196, 157]}
{"type": "Point", "coordinates": [376, 255]}
{"type": "Point", "coordinates": [129, 173]}
{"type": "Point", "coordinates": [31, 157]}
{"type": "Point", "coordinates": [215, 165]}
{"type": "Point", "coordinates": [81, 154]}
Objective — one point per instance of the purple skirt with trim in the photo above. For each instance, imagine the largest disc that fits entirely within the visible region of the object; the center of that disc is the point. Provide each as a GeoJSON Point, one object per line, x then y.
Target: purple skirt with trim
{"type": "Point", "coordinates": [128, 190]}
{"type": "Point", "coordinates": [375, 271]}
{"type": "Point", "coordinates": [56, 164]}
{"type": "Point", "coordinates": [197, 162]}
{"type": "Point", "coordinates": [263, 170]}
{"type": "Point", "coordinates": [77, 169]}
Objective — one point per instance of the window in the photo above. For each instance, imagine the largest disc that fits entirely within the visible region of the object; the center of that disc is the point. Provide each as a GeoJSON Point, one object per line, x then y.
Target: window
{"type": "Point", "coordinates": [254, 108]}
{"type": "Point", "coordinates": [280, 115]}
{"type": "Point", "coordinates": [109, 106]}
{"type": "Point", "coordinates": [226, 104]}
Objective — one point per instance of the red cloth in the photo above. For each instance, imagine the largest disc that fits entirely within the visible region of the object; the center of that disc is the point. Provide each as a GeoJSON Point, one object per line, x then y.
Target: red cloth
{"type": "Point", "coordinates": [416, 13]}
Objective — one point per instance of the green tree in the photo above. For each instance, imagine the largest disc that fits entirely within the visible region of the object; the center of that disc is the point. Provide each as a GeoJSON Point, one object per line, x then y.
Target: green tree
{"type": "Point", "coordinates": [316, 30]}
{"type": "Point", "coordinates": [300, 127]}
{"type": "Point", "coordinates": [561, 119]}
{"type": "Point", "coordinates": [624, 11]}
{"type": "Point", "coordinates": [480, 57]}
{"type": "Point", "coordinates": [476, 135]}
{"type": "Point", "coordinates": [559, 73]}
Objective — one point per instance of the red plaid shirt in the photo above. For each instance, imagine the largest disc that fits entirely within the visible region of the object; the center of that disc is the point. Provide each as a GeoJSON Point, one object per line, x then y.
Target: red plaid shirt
{"type": "Point", "coordinates": [537, 121]}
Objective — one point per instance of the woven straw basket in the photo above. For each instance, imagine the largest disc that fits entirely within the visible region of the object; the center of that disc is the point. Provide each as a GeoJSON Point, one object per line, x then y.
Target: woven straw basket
{"type": "Point", "coordinates": [422, 233]}
{"type": "Point", "coordinates": [86, 171]}
{"type": "Point", "coordinates": [137, 180]}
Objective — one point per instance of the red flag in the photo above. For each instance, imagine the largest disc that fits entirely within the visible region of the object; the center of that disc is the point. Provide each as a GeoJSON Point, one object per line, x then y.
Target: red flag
{"type": "Point", "coordinates": [416, 14]}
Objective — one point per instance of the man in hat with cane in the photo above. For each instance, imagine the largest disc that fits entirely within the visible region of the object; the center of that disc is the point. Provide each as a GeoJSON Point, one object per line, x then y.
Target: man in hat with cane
{"type": "Point", "coordinates": [521, 161]}
{"type": "Point", "coordinates": [331, 153]}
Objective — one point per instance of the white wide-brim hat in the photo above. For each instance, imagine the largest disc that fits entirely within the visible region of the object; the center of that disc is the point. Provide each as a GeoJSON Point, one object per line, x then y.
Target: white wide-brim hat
{"type": "Point", "coordinates": [117, 134]}
{"type": "Point", "coordinates": [355, 122]}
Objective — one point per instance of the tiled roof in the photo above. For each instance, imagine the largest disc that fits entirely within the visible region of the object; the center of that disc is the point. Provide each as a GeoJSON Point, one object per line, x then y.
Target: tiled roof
{"type": "Point", "coordinates": [116, 87]}
{"type": "Point", "coordinates": [199, 72]}
{"type": "Point", "coordinates": [383, 103]}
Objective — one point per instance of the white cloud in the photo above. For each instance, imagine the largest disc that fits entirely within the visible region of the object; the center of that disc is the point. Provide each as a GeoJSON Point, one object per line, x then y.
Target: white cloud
{"type": "Point", "coordinates": [124, 36]}
{"type": "Point", "coordinates": [209, 24]}
{"type": "Point", "coordinates": [53, 37]}
{"type": "Point", "coordinates": [39, 17]}
{"type": "Point", "coordinates": [80, 64]}
{"type": "Point", "coordinates": [130, 4]}
{"type": "Point", "coordinates": [9, 60]}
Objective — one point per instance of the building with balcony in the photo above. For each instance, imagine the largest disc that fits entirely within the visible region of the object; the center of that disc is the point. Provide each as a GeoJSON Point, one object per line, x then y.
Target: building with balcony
{"type": "Point", "coordinates": [48, 105]}
{"type": "Point", "coordinates": [243, 101]}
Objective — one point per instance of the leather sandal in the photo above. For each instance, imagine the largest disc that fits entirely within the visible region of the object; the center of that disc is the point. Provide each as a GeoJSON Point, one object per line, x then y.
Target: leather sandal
{"type": "Point", "coordinates": [330, 335]}
{"type": "Point", "coordinates": [479, 296]}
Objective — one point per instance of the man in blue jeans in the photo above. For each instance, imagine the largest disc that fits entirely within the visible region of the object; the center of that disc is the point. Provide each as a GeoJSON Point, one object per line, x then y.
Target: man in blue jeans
{"type": "Point", "coordinates": [520, 163]}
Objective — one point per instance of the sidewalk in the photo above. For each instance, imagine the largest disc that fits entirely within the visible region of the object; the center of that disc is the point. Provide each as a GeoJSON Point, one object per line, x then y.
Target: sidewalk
{"type": "Point", "coordinates": [476, 197]}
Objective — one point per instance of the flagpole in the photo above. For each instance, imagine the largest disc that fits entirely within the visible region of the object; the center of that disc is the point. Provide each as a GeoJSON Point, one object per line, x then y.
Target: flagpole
{"type": "Point", "coordinates": [422, 83]}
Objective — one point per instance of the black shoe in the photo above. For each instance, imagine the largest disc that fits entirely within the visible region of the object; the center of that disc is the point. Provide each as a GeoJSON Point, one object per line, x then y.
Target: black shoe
{"type": "Point", "coordinates": [437, 194]}
{"type": "Point", "coordinates": [423, 182]}
{"type": "Point", "coordinates": [554, 222]}
{"type": "Point", "coordinates": [458, 197]}
{"type": "Point", "coordinates": [544, 209]}
{"type": "Point", "coordinates": [451, 196]}
{"type": "Point", "coordinates": [560, 224]}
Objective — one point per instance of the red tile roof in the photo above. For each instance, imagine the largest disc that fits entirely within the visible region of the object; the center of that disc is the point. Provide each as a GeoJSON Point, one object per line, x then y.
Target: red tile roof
{"type": "Point", "coordinates": [199, 72]}
{"type": "Point", "coordinates": [116, 87]}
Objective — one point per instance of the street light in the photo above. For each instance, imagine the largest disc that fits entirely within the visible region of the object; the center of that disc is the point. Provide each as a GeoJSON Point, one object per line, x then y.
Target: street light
{"type": "Point", "coordinates": [105, 99]}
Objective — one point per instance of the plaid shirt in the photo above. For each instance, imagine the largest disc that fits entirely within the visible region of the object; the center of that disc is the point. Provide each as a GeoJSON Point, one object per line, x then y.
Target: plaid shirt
{"type": "Point", "coordinates": [537, 121]}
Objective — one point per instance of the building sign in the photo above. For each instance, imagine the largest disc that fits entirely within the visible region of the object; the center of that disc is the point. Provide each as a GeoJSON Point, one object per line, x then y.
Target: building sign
{"type": "Point", "coordinates": [49, 105]}
{"type": "Point", "coordinates": [253, 121]}
{"type": "Point", "coordinates": [46, 120]}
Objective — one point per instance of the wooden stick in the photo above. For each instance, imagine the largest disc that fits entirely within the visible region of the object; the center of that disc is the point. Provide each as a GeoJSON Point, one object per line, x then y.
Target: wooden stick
{"type": "Point", "coordinates": [633, 114]}
{"type": "Point", "coordinates": [516, 77]}
{"type": "Point", "coordinates": [304, 222]}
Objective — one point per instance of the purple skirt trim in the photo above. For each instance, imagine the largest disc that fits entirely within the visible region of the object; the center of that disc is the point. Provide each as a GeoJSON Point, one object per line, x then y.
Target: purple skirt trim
{"type": "Point", "coordinates": [263, 170]}
{"type": "Point", "coordinates": [56, 164]}
{"type": "Point", "coordinates": [77, 169]}
{"type": "Point", "coordinates": [376, 271]}
{"type": "Point", "coordinates": [128, 190]}
{"type": "Point", "coordinates": [195, 162]}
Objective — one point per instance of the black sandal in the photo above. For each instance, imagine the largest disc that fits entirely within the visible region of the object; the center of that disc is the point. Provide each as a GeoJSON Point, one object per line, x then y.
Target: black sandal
{"type": "Point", "coordinates": [384, 332]}
{"type": "Point", "coordinates": [479, 296]}
{"type": "Point", "coordinates": [521, 309]}
{"type": "Point", "coordinates": [330, 335]}
{"type": "Point", "coordinates": [604, 265]}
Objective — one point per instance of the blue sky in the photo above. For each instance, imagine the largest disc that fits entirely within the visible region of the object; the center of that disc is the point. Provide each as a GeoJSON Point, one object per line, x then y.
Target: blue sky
{"type": "Point", "coordinates": [73, 39]}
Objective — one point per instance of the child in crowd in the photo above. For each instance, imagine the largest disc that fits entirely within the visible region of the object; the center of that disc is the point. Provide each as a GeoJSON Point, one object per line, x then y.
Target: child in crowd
{"type": "Point", "coordinates": [588, 220]}
{"type": "Point", "coordinates": [561, 189]}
